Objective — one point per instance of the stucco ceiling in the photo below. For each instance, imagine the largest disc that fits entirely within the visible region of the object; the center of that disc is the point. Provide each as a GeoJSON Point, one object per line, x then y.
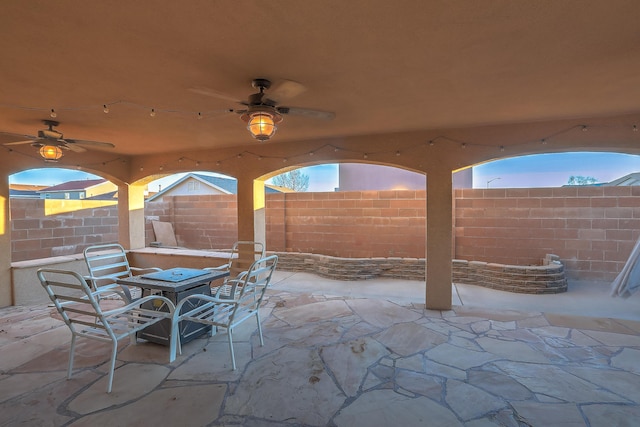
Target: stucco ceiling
{"type": "Point", "coordinates": [382, 66]}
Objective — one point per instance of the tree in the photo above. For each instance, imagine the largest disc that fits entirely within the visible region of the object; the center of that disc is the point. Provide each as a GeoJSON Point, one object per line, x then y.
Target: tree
{"type": "Point", "coordinates": [294, 180]}
{"type": "Point", "coordinates": [581, 180]}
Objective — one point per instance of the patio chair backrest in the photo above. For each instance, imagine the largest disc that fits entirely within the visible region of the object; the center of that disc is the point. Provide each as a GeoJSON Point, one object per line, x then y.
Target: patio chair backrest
{"type": "Point", "coordinates": [243, 255]}
{"type": "Point", "coordinates": [75, 302]}
{"type": "Point", "coordinates": [81, 310]}
{"type": "Point", "coordinates": [249, 292]}
{"type": "Point", "coordinates": [241, 301]}
{"type": "Point", "coordinates": [107, 262]}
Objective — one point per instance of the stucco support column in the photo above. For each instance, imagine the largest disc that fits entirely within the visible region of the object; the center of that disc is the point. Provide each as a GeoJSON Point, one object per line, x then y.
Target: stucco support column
{"type": "Point", "coordinates": [131, 216]}
{"type": "Point", "coordinates": [439, 233]}
{"type": "Point", "coordinates": [6, 289]}
{"type": "Point", "coordinates": [251, 210]}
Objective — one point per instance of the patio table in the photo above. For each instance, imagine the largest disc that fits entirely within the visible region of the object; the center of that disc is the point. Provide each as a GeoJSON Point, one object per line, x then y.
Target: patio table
{"type": "Point", "coordinates": [174, 284]}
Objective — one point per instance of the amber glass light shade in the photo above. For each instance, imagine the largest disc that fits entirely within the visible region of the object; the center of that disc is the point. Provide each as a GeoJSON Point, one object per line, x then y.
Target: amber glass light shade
{"type": "Point", "coordinates": [262, 126]}
{"type": "Point", "coordinates": [50, 153]}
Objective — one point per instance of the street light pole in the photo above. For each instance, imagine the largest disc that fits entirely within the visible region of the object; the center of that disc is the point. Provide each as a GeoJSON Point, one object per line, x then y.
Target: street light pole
{"type": "Point", "coordinates": [491, 180]}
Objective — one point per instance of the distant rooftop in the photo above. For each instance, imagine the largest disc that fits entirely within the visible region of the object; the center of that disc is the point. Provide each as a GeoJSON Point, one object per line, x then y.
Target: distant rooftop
{"type": "Point", "coordinates": [625, 181]}
{"type": "Point", "coordinates": [74, 185]}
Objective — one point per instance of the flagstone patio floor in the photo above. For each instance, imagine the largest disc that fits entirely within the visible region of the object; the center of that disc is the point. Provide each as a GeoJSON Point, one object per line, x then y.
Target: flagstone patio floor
{"type": "Point", "coordinates": [338, 360]}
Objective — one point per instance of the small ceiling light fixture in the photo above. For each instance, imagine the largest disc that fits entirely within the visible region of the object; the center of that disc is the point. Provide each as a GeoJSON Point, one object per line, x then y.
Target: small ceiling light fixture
{"type": "Point", "coordinates": [50, 153]}
{"type": "Point", "coordinates": [262, 117]}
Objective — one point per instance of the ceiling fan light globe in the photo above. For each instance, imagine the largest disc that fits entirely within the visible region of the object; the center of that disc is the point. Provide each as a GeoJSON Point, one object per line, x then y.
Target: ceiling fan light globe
{"type": "Point", "coordinates": [261, 126]}
{"type": "Point", "coordinates": [50, 153]}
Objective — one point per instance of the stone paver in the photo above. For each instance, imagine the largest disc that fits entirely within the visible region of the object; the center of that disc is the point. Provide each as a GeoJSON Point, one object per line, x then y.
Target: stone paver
{"type": "Point", "coordinates": [335, 361]}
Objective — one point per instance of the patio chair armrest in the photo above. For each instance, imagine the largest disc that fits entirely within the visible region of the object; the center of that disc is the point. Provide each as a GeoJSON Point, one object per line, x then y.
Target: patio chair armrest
{"type": "Point", "coordinates": [111, 287]}
{"type": "Point", "coordinates": [227, 291]}
{"type": "Point", "coordinates": [201, 297]}
{"type": "Point", "coordinates": [136, 271]}
{"type": "Point", "coordinates": [220, 267]}
{"type": "Point", "coordinates": [139, 302]}
{"type": "Point", "coordinates": [98, 279]}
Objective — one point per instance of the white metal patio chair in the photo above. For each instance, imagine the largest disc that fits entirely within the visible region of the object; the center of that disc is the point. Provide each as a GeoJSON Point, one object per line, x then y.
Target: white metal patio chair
{"type": "Point", "coordinates": [231, 309]}
{"type": "Point", "coordinates": [243, 254]}
{"type": "Point", "coordinates": [107, 263]}
{"type": "Point", "coordinates": [80, 309]}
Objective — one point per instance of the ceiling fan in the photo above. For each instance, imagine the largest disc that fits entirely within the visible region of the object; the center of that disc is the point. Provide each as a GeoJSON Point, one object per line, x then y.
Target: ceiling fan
{"type": "Point", "coordinates": [262, 111]}
{"type": "Point", "coordinates": [51, 142]}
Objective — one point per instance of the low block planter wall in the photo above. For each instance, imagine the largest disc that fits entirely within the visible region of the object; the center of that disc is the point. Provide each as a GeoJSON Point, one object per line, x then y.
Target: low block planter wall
{"type": "Point", "coordinates": [352, 268]}
{"type": "Point", "coordinates": [544, 279]}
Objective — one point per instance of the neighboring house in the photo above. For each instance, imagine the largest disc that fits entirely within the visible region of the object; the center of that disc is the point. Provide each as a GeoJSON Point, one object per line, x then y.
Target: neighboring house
{"type": "Point", "coordinates": [25, 191]}
{"type": "Point", "coordinates": [80, 190]}
{"type": "Point", "coordinates": [194, 184]}
{"type": "Point", "coordinates": [624, 181]}
{"type": "Point", "coordinates": [363, 177]}
{"type": "Point", "coordinates": [627, 180]}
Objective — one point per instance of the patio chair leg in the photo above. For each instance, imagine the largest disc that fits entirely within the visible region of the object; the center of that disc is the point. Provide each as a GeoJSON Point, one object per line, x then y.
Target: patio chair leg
{"type": "Point", "coordinates": [71, 354]}
{"type": "Point", "coordinates": [174, 337]}
{"type": "Point", "coordinates": [259, 328]}
{"type": "Point", "coordinates": [112, 365]}
{"type": "Point", "coordinates": [233, 358]}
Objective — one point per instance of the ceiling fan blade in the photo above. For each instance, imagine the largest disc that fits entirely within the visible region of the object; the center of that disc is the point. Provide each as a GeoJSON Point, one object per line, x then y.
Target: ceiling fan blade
{"type": "Point", "coordinates": [73, 147]}
{"type": "Point", "coordinates": [305, 112]}
{"type": "Point", "coordinates": [78, 142]}
{"type": "Point", "coordinates": [30, 141]}
{"type": "Point", "coordinates": [22, 138]}
{"type": "Point", "coordinates": [285, 89]}
{"type": "Point", "coordinates": [201, 90]}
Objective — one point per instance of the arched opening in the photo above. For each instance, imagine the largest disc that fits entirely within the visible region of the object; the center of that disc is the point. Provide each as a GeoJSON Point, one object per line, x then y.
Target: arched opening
{"type": "Point", "coordinates": [577, 207]}
{"type": "Point", "coordinates": [58, 212]}
{"type": "Point", "coordinates": [555, 170]}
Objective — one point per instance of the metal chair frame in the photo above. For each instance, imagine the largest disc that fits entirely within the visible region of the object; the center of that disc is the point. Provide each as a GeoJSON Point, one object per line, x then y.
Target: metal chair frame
{"type": "Point", "coordinates": [107, 263]}
{"type": "Point", "coordinates": [79, 307]}
{"type": "Point", "coordinates": [229, 307]}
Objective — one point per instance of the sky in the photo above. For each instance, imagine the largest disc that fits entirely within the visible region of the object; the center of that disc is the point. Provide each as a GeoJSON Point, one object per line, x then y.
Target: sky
{"type": "Point", "coordinates": [553, 170]}
{"type": "Point", "coordinates": [540, 170]}
{"type": "Point", "coordinates": [321, 178]}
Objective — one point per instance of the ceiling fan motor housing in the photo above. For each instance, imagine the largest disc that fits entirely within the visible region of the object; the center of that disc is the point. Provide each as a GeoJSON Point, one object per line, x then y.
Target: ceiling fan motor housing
{"type": "Point", "coordinates": [49, 134]}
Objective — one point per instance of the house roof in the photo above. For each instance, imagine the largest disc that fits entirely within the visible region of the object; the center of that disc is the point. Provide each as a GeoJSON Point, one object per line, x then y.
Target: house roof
{"type": "Point", "coordinates": [224, 185]}
{"type": "Point", "coordinates": [112, 195]}
{"type": "Point", "coordinates": [73, 185]}
{"type": "Point", "coordinates": [26, 187]}
{"type": "Point", "coordinates": [627, 180]}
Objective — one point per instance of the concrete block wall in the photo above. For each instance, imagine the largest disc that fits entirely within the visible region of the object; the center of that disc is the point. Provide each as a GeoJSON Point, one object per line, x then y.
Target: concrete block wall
{"type": "Point", "coordinates": [544, 279]}
{"type": "Point", "coordinates": [352, 224]}
{"type": "Point", "coordinates": [591, 229]}
{"type": "Point", "coordinates": [37, 234]}
{"type": "Point", "coordinates": [352, 268]}
{"type": "Point", "coordinates": [199, 222]}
